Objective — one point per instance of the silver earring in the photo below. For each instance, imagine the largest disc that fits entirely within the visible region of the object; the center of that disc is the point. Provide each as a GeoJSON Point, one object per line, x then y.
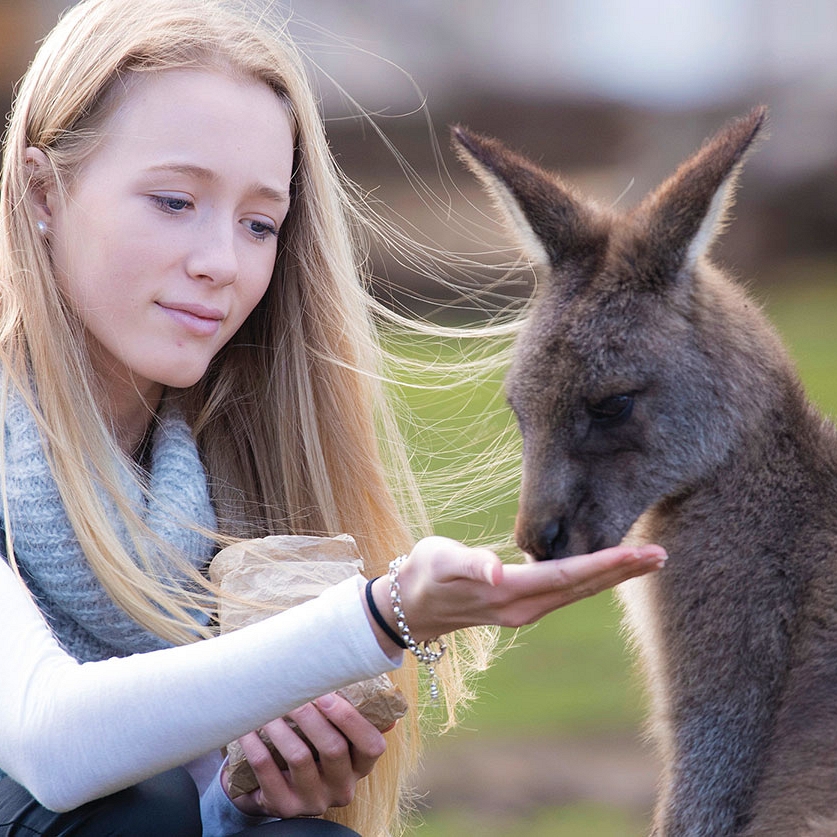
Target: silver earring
{"type": "Point", "coordinates": [43, 229]}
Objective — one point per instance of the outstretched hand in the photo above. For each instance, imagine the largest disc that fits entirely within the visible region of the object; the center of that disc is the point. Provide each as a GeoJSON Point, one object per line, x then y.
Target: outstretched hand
{"type": "Point", "coordinates": [446, 585]}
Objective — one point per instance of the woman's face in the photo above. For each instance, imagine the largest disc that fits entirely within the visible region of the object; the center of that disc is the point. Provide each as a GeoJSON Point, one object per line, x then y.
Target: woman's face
{"type": "Point", "coordinates": [167, 240]}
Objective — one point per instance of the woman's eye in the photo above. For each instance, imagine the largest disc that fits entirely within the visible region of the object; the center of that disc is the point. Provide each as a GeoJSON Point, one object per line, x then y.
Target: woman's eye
{"type": "Point", "coordinates": [171, 204]}
{"type": "Point", "coordinates": [261, 229]}
{"type": "Point", "coordinates": [612, 410]}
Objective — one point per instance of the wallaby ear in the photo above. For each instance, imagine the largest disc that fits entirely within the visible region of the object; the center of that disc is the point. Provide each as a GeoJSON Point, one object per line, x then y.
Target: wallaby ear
{"type": "Point", "coordinates": [687, 212]}
{"type": "Point", "coordinates": [553, 226]}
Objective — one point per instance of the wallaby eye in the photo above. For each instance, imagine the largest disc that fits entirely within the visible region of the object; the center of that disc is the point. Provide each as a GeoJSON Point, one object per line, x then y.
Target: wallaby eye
{"type": "Point", "coordinates": [612, 410]}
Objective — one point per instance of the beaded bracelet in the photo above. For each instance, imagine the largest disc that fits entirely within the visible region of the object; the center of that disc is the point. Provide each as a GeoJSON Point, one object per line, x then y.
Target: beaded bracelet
{"type": "Point", "coordinates": [424, 654]}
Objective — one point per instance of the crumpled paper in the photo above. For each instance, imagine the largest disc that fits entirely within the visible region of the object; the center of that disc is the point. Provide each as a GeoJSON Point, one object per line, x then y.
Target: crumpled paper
{"type": "Point", "coordinates": [264, 576]}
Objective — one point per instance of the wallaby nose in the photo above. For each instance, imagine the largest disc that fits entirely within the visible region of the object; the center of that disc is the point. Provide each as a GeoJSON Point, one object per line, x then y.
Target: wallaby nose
{"type": "Point", "coordinates": [545, 541]}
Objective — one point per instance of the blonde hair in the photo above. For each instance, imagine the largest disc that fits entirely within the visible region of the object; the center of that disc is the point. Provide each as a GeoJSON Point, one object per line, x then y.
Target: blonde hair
{"type": "Point", "coordinates": [290, 418]}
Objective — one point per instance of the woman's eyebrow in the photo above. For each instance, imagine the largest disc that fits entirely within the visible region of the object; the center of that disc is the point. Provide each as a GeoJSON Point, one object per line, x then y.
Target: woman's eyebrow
{"type": "Point", "coordinates": [280, 196]}
{"type": "Point", "coordinates": [271, 194]}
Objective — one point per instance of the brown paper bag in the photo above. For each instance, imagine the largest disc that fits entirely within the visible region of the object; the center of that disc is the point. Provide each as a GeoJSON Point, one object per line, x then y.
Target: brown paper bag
{"type": "Point", "coordinates": [270, 575]}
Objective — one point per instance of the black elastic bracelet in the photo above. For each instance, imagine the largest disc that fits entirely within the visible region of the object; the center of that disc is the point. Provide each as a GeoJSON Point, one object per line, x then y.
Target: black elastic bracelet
{"type": "Point", "coordinates": [376, 615]}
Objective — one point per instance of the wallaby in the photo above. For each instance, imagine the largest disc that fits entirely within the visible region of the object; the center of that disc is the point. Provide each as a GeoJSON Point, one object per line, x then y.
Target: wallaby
{"type": "Point", "coordinates": [657, 404]}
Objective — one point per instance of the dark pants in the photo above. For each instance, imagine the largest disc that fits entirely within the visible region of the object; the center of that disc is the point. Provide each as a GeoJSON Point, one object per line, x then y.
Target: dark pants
{"type": "Point", "coordinates": [164, 806]}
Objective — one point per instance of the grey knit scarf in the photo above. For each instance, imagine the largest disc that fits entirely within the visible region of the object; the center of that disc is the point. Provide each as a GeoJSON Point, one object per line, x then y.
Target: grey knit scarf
{"type": "Point", "coordinates": [82, 616]}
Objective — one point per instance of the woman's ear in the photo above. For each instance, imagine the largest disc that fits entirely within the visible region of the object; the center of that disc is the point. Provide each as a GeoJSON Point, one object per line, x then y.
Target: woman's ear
{"type": "Point", "coordinates": [41, 183]}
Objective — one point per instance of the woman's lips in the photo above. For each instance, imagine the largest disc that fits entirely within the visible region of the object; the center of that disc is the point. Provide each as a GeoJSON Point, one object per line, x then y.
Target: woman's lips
{"type": "Point", "coordinates": [194, 318]}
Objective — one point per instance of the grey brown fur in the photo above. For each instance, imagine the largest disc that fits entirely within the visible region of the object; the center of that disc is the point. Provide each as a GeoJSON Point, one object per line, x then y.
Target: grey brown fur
{"type": "Point", "coordinates": [657, 404]}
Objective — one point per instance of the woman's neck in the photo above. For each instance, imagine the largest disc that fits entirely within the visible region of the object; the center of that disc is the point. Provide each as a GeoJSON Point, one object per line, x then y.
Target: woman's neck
{"type": "Point", "coordinates": [132, 414]}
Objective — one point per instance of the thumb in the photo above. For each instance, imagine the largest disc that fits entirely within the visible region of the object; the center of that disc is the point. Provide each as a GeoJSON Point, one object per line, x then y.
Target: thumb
{"type": "Point", "coordinates": [477, 564]}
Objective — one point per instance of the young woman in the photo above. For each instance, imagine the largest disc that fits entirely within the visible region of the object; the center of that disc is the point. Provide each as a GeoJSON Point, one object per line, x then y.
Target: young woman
{"type": "Point", "coordinates": [187, 359]}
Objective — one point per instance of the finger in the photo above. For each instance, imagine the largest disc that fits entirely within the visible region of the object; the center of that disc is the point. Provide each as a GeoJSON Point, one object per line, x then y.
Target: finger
{"type": "Point", "coordinates": [576, 578]}
{"type": "Point", "coordinates": [595, 571]}
{"type": "Point", "coordinates": [300, 758]}
{"type": "Point", "coordinates": [616, 555]}
{"type": "Point", "coordinates": [274, 794]}
{"type": "Point", "coordinates": [367, 743]}
{"type": "Point", "coordinates": [298, 790]}
{"type": "Point", "coordinates": [482, 565]}
{"type": "Point", "coordinates": [599, 571]}
{"type": "Point", "coordinates": [248, 803]}
{"type": "Point", "coordinates": [451, 560]}
{"type": "Point", "coordinates": [474, 564]}
{"type": "Point", "coordinates": [335, 768]}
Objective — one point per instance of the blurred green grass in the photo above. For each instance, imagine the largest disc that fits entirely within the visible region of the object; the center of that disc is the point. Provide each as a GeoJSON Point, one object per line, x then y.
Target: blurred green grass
{"type": "Point", "coordinates": [583, 820]}
{"type": "Point", "coordinates": [571, 673]}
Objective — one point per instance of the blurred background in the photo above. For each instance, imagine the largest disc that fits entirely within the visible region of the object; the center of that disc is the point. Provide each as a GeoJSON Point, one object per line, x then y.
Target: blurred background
{"type": "Point", "coordinates": [613, 95]}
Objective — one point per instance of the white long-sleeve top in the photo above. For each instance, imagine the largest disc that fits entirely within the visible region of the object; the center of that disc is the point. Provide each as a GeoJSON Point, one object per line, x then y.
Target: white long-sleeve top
{"type": "Point", "coordinates": [71, 732]}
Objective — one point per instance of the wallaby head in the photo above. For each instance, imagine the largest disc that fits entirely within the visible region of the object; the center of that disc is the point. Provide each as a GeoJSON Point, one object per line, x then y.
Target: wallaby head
{"type": "Point", "coordinates": [639, 363]}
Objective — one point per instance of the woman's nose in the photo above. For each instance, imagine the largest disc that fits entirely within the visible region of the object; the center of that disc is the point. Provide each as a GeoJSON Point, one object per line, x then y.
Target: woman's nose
{"type": "Point", "coordinates": [213, 254]}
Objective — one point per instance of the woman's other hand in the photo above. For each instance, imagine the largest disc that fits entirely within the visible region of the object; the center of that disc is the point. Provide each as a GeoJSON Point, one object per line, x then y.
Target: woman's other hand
{"type": "Point", "coordinates": [348, 746]}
